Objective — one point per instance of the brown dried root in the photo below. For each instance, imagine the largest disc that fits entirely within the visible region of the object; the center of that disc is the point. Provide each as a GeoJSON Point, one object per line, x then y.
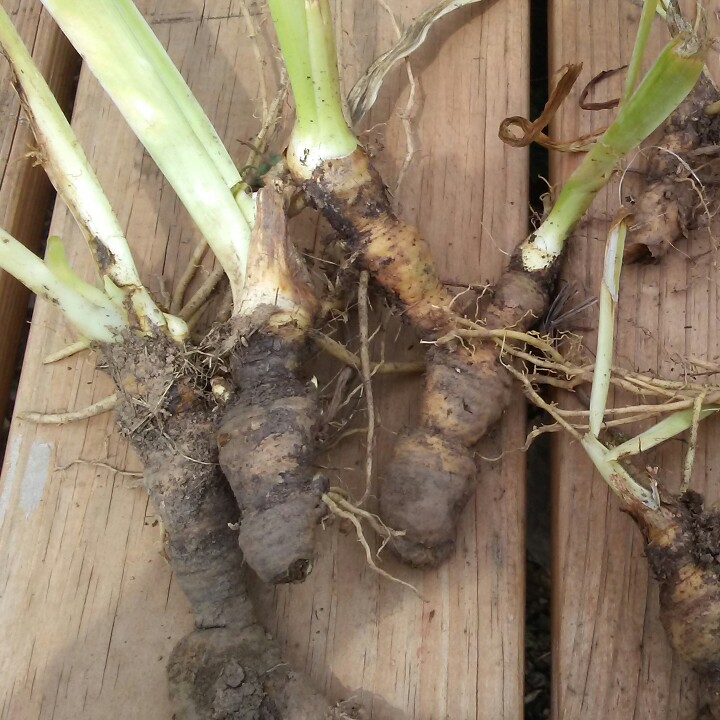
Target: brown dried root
{"type": "Point", "coordinates": [182, 284]}
{"type": "Point", "coordinates": [552, 368]}
{"type": "Point", "coordinates": [66, 352]}
{"type": "Point", "coordinates": [101, 464]}
{"type": "Point", "coordinates": [406, 116]}
{"type": "Point", "coordinates": [363, 95]}
{"type": "Point", "coordinates": [338, 505]}
{"type": "Point", "coordinates": [366, 381]}
{"type": "Point", "coordinates": [98, 408]}
{"type": "Point", "coordinates": [340, 352]}
{"type": "Point", "coordinates": [202, 294]}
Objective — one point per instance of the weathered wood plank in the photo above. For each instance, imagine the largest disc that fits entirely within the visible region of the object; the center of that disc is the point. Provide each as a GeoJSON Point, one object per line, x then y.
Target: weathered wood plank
{"type": "Point", "coordinates": [89, 610]}
{"type": "Point", "coordinates": [611, 657]}
{"type": "Point", "coordinates": [25, 191]}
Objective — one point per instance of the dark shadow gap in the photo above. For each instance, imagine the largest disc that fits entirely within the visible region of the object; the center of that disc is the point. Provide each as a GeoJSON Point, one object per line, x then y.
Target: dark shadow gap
{"type": "Point", "coordinates": [538, 553]}
{"type": "Point", "coordinates": [539, 82]}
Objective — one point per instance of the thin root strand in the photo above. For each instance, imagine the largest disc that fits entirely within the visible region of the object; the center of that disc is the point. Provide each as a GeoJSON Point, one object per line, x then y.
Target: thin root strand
{"type": "Point", "coordinates": [335, 509]}
{"type": "Point", "coordinates": [98, 408]}
{"type": "Point", "coordinates": [66, 352]}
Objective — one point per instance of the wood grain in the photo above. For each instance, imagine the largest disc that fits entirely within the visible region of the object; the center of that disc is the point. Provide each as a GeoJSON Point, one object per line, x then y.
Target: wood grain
{"type": "Point", "coordinates": [25, 192]}
{"type": "Point", "coordinates": [611, 658]}
{"type": "Point", "coordinates": [89, 609]}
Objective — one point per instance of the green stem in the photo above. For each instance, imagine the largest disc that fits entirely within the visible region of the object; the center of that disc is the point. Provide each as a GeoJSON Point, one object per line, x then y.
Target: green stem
{"type": "Point", "coordinates": [326, 80]}
{"type": "Point", "coordinates": [646, 19]}
{"type": "Point", "coordinates": [307, 41]}
{"type": "Point", "coordinates": [617, 477]}
{"type": "Point", "coordinates": [609, 291]}
{"type": "Point", "coordinates": [57, 262]}
{"type": "Point", "coordinates": [660, 432]}
{"type": "Point", "coordinates": [71, 174]}
{"type": "Point", "coordinates": [186, 102]}
{"type": "Point", "coordinates": [99, 320]}
{"type": "Point", "coordinates": [667, 83]}
{"type": "Point", "coordinates": [290, 23]}
{"type": "Point", "coordinates": [102, 31]}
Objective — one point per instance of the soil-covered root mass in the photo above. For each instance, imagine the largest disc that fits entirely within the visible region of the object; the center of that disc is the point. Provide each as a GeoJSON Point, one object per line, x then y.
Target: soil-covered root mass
{"type": "Point", "coordinates": [266, 443]}
{"type": "Point", "coordinates": [237, 673]}
{"type": "Point", "coordinates": [683, 551]}
{"type": "Point", "coordinates": [267, 436]}
{"type": "Point", "coordinates": [431, 474]}
{"type": "Point", "coordinates": [351, 195]}
{"type": "Point", "coordinates": [674, 200]}
{"type": "Point", "coordinates": [228, 667]}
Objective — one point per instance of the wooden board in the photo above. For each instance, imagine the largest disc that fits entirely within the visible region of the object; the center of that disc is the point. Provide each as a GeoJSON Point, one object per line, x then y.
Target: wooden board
{"type": "Point", "coordinates": [611, 657]}
{"type": "Point", "coordinates": [25, 192]}
{"type": "Point", "coordinates": [88, 607]}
